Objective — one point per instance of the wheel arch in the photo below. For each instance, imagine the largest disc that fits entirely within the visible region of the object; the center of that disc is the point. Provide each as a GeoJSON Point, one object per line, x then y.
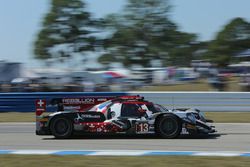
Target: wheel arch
{"type": "Point", "coordinates": [65, 115]}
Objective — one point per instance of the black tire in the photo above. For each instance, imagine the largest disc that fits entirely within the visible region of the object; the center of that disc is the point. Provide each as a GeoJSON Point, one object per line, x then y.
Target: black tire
{"type": "Point", "coordinates": [168, 126]}
{"type": "Point", "coordinates": [61, 127]}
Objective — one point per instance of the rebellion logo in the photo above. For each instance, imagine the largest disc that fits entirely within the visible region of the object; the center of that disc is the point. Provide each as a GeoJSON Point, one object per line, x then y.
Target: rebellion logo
{"type": "Point", "coordinates": [79, 101]}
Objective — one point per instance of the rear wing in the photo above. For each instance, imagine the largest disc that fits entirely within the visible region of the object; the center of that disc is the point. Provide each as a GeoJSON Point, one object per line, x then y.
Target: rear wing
{"type": "Point", "coordinates": [63, 104]}
{"type": "Point", "coordinates": [79, 104]}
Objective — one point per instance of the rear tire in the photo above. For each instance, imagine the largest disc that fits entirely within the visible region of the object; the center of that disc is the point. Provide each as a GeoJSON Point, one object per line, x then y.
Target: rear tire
{"type": "Point", "coordinates": [168, 126]}
{"type": "Point", "coordinates": [61, 127]}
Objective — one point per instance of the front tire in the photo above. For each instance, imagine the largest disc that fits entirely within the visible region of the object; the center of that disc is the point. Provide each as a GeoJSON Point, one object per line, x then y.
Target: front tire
{"type": "Point", "coordinates": [168, 126]}
{"type": "Point", "coordinates": [61, 127]}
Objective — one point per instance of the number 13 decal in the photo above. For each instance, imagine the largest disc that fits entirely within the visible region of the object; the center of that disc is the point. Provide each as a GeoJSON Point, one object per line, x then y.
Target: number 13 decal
{"type": "Point", "coordinates": [142, 127]}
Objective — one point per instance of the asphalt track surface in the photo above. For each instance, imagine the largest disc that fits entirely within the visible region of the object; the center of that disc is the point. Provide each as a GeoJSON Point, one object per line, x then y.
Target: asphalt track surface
{"type": "Point", "coordinates": [230, 137]}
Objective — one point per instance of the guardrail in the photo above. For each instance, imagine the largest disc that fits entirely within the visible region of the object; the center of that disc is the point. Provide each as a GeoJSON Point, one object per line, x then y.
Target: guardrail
{"type": "Point", "coordinates": [25, 102]}
{"type": "Point", "coordinates": [205, 101]}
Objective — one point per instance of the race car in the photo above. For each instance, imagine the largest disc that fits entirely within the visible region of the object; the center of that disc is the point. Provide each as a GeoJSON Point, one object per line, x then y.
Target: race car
{"type": "Point", "coordinates": [124, 115]}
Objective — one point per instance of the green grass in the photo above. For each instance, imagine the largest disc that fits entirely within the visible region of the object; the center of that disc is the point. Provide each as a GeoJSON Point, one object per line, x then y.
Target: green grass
{"type": "Point", "coordinates": [229, 117]}
{"type": "Point", "coordinates": [17, 117]}
{"type": "Point", "coordinates": [218, 117]}
{"type": "Point", "coordinates": [82, 161]}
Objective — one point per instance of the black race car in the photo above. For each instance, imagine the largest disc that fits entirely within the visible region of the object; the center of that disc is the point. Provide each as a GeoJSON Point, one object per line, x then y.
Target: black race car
{"type": "Point", "coordinates": [121, 115]}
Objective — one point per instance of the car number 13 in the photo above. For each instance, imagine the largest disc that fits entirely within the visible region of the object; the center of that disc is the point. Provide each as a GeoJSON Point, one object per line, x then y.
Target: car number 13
{"type": "Point", "coordinates": [142, 127]}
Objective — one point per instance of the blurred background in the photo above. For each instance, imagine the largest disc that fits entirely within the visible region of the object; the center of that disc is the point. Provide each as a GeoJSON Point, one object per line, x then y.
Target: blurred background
{"type": "Point", "coordinates": [124, 45]}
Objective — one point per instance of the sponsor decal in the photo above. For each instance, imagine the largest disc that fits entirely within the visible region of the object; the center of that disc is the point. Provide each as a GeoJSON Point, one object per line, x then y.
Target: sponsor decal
{"type": "Point", "coordinates": [102, 99]}
{"type": "Point", "coordinates": [72, 108]}
{"type": "Point", "coordinates": [82, 117]}
{"type": "Point", "coordinates": [40, 106]}
{"type": "Point", "coordinates": [142, 127]}
{"type": "Point", "coordinates": [90, 116]}
{"type": "Point", "coordinates": [101, 127]}
{"type": "Point", "coordinates": [40, 103]}
{"type": "Point", "coordinates": [119, 124]}
{"type": "Point", "coordinates": [76, 101]}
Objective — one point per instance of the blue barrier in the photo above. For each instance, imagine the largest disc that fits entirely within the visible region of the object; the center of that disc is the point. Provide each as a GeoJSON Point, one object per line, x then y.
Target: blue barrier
{"type": "Point", "coordinates": [25, 102]}
{"type": "Point", "coordinates": [205, 101]}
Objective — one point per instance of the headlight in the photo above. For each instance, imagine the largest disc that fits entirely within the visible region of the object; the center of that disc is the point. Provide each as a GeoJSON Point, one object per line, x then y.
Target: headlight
{"type": "Point", "coordinates": [202, 116]}
{"type": "Point", "coordinates": [191, 117]}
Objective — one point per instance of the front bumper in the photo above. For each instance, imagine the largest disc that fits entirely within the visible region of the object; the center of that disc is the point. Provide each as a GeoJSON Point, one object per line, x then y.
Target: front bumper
{"type": "Point", "coordinates": [199, 127]}
{"type": "Point", "coordinates": [204, 127]}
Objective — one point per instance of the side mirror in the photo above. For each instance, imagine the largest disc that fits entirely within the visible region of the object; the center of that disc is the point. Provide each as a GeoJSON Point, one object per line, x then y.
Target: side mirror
{"type": "Point", "coordinates": [112, 113]}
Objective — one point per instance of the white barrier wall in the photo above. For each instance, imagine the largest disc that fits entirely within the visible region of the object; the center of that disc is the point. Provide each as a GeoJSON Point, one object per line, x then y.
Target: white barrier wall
{"type": "Point", "coordinates": [205, 101]}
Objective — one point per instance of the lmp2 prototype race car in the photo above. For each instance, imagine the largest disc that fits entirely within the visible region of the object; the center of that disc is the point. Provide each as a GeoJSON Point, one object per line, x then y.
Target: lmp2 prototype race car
{"type": "Point", "coordinates": [121, 115]}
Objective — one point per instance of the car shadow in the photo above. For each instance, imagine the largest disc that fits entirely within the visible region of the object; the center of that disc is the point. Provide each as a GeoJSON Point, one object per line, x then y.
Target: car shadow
{"type": "Point", "coordinates": [201, 136]}
{"type": "Point", "coordinates": [144, 137]}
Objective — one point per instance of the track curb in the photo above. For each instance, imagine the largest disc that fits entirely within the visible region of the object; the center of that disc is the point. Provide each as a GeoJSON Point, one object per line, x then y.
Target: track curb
{"type": "Point", "coordinates": [124, 153]}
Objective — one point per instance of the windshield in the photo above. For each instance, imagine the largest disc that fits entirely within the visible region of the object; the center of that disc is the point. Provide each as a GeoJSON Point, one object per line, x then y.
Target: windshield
{"type": "Point", "coordinates": [160, 108]}
{"type": "Point", "coordinates": [156, 108]}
